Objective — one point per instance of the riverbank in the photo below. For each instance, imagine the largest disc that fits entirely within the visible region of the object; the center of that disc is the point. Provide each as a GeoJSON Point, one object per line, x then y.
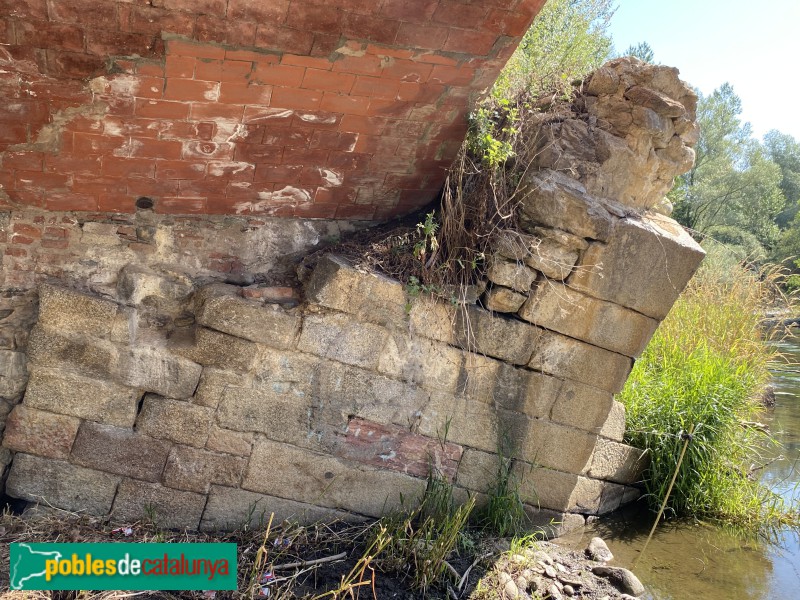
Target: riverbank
{"type": "Point", "coordinates": [279, 565]}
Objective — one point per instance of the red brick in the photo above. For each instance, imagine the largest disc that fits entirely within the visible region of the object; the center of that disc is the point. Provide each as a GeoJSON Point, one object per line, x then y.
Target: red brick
{"type": "Point", "coordinates": [470, 42]}
{"type": "Point", "coordinates": [42, 34]}
{"type": "Point", "coordinates": [152, 187]}
{"type": "Point", "coordinates": [33, 9]}
{"type": "Point", "coordinates": [104, 42]}
{"type": "Point", "coordinates": [289, 137]}
{"type": "Point", "coordinates": [359, 65]}
{"type": "Point", "coordinates": [205, 111]}
{"type": "Point", "coordinates": [194, 149]}
{"type": "Point", "coordinates": [408, 70]}
{"type": "Point", "coordinates": [317, 79]}
{"type": "Point", "coordinates": [284, 38]}
{"type": "Point", "coordinates": [13, 133]}
{"type": "Point", "coordinates": [306, 158]}
{"type": "Point", "coordinates": [56, 232]}
{"type": "Point", "coordinates": [180, 169]}
{"type": "Point", "coordinates": [36, 179]}
{"type": "Point", "coordinates": [205, 130]}
{"type": "Point", "coordinates": [26, 161]}
{"type": "Point", "coordinates": [349, 105]}
{"type": "Point", "coordinates": [375, 28]}
{"type": "Point", "coordinates": [278, 173]}
{"type": "Point", "coordinates": [224, 31]}
{"type": "Point", "coordinates": [180, 66]}
{"type": "Point", "coordinates": [458, 14]}
{"type": "Point", "coordinates": [243, 93]}
{"type": "Point", "coordinates": [152, 148]}
{"type": "Point", "coordinates": [310, 17]}
{"type": "Point", "coordinates": [355, 212]}
{"type": "Point", "coordinates": [181, 205]}
{"type": "Point", "coordinates": [27, 230]}
{"type": "Point", "coordinates": [390, 52]}
{"type": "Point", "coordinates": [324, 45]}
{"type": "Point", "coordinates": [332, 140]}
{"type": "Point", "coordinates": [436, 59]}
{"type": "Point", "coordinates": [193, 49]}
{"type": "Point", "coordinates": [83, 164]}
{"type": "Point", "coordinates": [376, 87]}
{"type": "Point", "coordinates": [507, 22]}
{"type": "Point", "coordinates": [161, 109]}
{"type": "Point", "coordinates": [116, 203]}
{"type": "Point", "coordinates": [413, 12]}
{"type": "Point", "coordinates": [55, 244]}
{"type": "Point", "coordinates": [320, 120]}
{"type": "Point", "coordinates": [372, 144]}
{"type": "Point", "coordinates": [236, 70]}
{"type": "Point", "coordinates": [152, 20]}
{"type": "Point", "coordinates": [283, 97]}
{"type": "Point", "coordinates": [389, 108]}
{"type": "Point", "coordinates": [259, 11]}
{"type": "Point", "coordinates": [207, 69]}
{"type": "Point", "coordinates": [74, 64]}
{"type": "Point", "coordinates": [258, 154]}
{"type": "Point", "coordinates": [127, 167]}
{"type": "Point", "coordinates": [85, 12]}
{"type": "Point", "coordinates": [231, 171]}
{"type": "Point", "coordinates": [189, 90]}
{"type": "Point", "coordinates": [445, 75]}
{"type": "Point", "coordinates": [307, 211]}
{"type": "Point", "coordinates": [67, 201]}
{"type": "Point", "coordinates": [201, 188]}
{"type": "Point", "coordinates": [148, 69]}
{"type": "Point", "coordinates": [306, 61]}
{"type": "Point", "coordinates": [429, 37]}
{"type": "Point", "coordinates": [283, 75]}
{"type": "Point", "coordinates": [420, 92]}
{"type": "Point", "coordinates": [348, 161]}
{"type": "Point", "coordinates": [273, 117]}
{"type": "Point", "coordinates": [150, 87]}
{"type": "Point", "coordinates": [16, 252]}
{"type": "Point", "coordinates": [96, 185]}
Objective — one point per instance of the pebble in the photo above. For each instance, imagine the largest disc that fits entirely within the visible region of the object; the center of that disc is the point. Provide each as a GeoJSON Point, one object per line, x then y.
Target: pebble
{"type": "Point", "coordinates": [550, 571]}
{"type": "Point", "coordinates": [623, 579]}
{"type": "Point", "coordinates": [598, 550]}
{"type": "Point", "coordinates": [522, 583]}
{"type": "Point", "coordinates": [510, 590]}
{"type": "Point", "coordinates": [569, 590]}
{"type": "Point", "coordinates": [555, 594]}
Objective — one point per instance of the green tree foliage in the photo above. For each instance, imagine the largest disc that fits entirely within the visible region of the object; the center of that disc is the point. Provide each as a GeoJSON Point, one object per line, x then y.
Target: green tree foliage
{"type": "Point", "coordinates": [568, 39]}
{"type": "Point", "coordinates": [642, 51]}
{"type": "Point", "coordinates": [784, 150]}
{"type": "Point", "coordinates": [734, 182]}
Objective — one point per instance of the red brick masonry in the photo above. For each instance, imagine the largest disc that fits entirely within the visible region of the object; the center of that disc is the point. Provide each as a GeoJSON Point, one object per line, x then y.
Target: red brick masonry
{"type": "Point", "coordinates": [349, 109]}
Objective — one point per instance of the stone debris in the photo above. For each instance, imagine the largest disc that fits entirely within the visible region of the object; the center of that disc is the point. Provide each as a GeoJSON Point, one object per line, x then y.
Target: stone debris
{"type": "Point", "coordinates": [598, 550]}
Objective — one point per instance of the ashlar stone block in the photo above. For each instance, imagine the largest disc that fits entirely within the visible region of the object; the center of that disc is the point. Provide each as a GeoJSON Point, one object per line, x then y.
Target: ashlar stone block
{"type": "Point", "coordinates": [617, 462]}
{"type": "Point", "coordinates": [509, 340]}
{"type": "Point", "coordinates": [343, 338]}
{"type": "Point", "coordinates": [63, 309]}
{"type": "Point", "coordinates": [38, 432]}
{"type": "Point", "coordinates": [268, 324]}
{"type": "Point", "coordinates": [175, 509]}
{"type": "Point", "coordinates": [174, 420]}
{"type": "Point", "coordinates": [195, 470]}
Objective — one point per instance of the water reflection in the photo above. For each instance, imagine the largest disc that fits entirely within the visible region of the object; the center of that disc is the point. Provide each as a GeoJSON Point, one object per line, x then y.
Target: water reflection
{"type": "Point", "coordinates": [688, 561]}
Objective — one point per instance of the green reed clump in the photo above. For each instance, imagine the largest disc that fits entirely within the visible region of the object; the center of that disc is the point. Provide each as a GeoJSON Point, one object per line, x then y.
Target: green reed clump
{"type": "Point", "coordinates": [706, 367]}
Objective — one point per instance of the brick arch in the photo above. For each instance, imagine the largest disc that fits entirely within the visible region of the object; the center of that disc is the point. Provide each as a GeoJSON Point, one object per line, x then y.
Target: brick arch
{"type": "Point", "coordinates": [350, 109]}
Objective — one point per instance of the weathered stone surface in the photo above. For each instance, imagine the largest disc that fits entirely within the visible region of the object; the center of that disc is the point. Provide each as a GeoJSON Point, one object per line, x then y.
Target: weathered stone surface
{"type": "Point", "coordinates": [213, 383]}
{"type": "Point", "coordinates": [61, 484]}
{"type": "Point", "coordinates": [174, 420]}
{"type": "Point", "coordinates": [552, 523]}
{"type": "Point", "coordinates": [231, 508]}
{"type": "Point", "coordinates": [69, 394]}
{"type": "Point", "coordinates": [215, 349]}
{"type": "Point", "coordinates": [13, 374]}
{"type": "Point", "coordinates": [566, 357]}
{"type": "Point", "coordinates": [555, 446]}
{"type": "Point", "coordinates": [195, 470]}
{"type": "Point", "coordinates": [656, 101]}
{"type": "Point", "coordinates": [38, 432]}
{"type": "Point", "coordinates": [120, 451]}
{"type": "Point", "coordinates": [617, 462]}
{"type": "Point", "coordinates": [648, 279]}
{"type": "Point", "coordinates": [71, 352]}
{"type": "Point", "coordinates": [547, 488]}
{"type": "Point", "coordinates": [343, 338]}
{"type": "Point", "coordinates": [137, 284]}
{"type": "Point", "coordinates": [582, 406]}
{"type": "Point", "coordinates": [372, 297]}
{"type": "Point", "coordinates": [433, 319]}
{"type": "Point", "coordinates": [598, 550]}
{"type": "Point", "coordinates": [175, 509]}
{"type": "Point", "coordinates": [511, 274]}
{"type": "Point", "coordinates": [478, 470]}
{"type": "Point", "coordinates": [157, 370]}
{"type": "Point", "coordinates": [269, 324]}
{"type": "Point", "coordinates": [614, 427]}
{"type": "Point", "coordinates": [461, 420]}
{"type": "Point", "coordinates": [556, 200]}
{"type": "Point", "coordinates": [557, 307]}
{"type": "Point", "coordinates": [502, 299]}
{"type": "Point", "coordinates": [507, 339]}
{"type": "Point", "coordinates": [239, 443]}
{"type": "Point", "coordinates": [554, 253]}
{"type": "Point", "coordinates": [422, 362]}
{"type": "Point", "coordinates": [282, 411]}
{"type": "Point", "coordinates": [275, 366]}
{"type": "Point", "coordinates": [623, 579]}
{"type": "Point", "coordinates": [525, 392]}
{"type": "Point", "coordinates": [63, 309]}
{"type": "Point", "coordinates": [287, 471]}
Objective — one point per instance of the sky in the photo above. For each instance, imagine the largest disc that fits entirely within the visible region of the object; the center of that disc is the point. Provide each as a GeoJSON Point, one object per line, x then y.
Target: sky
{"type": "Point", "coordinates": [755, 46]}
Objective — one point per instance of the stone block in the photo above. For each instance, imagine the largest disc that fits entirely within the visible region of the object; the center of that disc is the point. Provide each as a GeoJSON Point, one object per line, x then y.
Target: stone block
{"type": "Point", "coordinates": [292, 473]}
{"type": "Point", "coordinates": [281, 411]}
{"type": "Point", "coordinates": [614, 427]}
{"type": "Point", "coordinates": [509, 340]}
{"type": "Point", "coordinates": [58, 483]}
{"type": "Point", "coordinates": [137, 285]}
{"type": "Point", "coordinates": [502, 299]}
{"type": "Point", "coordinates": [582, 406]}
{"type": "Point", "coordinates": [545, 488]}
{"type": "Point", "coordinates": [419, 361]}
{"type": "Point", "coordinates": [344, 391]}
{"type": "Point", "coordinates": [511, 274]}
{"type": "Point", "coordinates": [278, 366]}
{"type": "Point", "coordinates": [555, 306]}
{"type": "Point", "coordinates": [372, 297]}
{"type": "Point", "coordinates": [159, 371]}
{"type": "Point", "coordinates": [213, 383]}
{"type": "Point", "coordinates": [549, 251]}
{"type": "Point", "coordinates": [119, 451]}
{"type": "Point", "coordinates": [556, 200]}
{"type": "Point", "coordinates": [239, 443]}
{"type": "Point", "coordinates": [569, 358]}
{"type": "Point", "coordinates": [195, 470]}
{"type": "Point", "coordinates": [13, 374]}
{"type": "Point", "coordinates": [617, 462]}
{"type": "Point", "coordinates": [522, 391]}
{"type": "Point", "coordinates": [232, 508]}
{"type": "Point", "coordinates": [268, 324]}
{"type": "Point", "coordinates": [342, 338]}
{"type": "Point", "coordinates": [467, 422]}
{"type": "Point", "coordinates": [549, 524]}
{"type": "Point", "coordinates": [72, 352]}
{"type": "Point", "coordinates": [478, 470]}
{"type": "Point", "coordinates": [92, 399]}
{"type": "Point", "coordinates": [644, 265]}
{"type": "Point", "coordinates": [216, 349]}
{"type": "Point", "coordinates": [174, 420]}
{"type": "Point", "coordinates": [63, 309]}
{"type": "Point", "coordinates": [555, 446]}
{"type": "Point", "coordinates": [433, 319]}
{"type": "Point", "coordinates": [587, 496]}
{"type": "Point", "coordinates": [38, 432]}
{"type": "Point", "coordinates": [167, 507]}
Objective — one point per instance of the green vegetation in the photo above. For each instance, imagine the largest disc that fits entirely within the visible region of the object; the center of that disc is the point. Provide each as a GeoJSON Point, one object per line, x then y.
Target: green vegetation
{"type": "Point", "coordinates": [705, 368]}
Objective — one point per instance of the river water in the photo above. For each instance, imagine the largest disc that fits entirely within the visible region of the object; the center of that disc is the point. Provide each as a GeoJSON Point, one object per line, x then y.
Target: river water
{"type": "Point", "coordinates": [696, 561]}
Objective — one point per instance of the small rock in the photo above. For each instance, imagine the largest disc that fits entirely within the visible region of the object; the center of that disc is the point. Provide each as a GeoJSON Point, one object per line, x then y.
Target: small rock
{"type": "Point", "coordinates": [550, 571]}
{"type": "Point", "coordinates": [569, 590]}
{"type": "Point", "coordinates": [598, 550]}
{"type": "Point", "coordinates": [622, 579]}
{"type": "Point", "coordinates": [510, 590]}
{"type": "Point", "coordinates": [518, 558]}
{"type": "Point", "coordinates": [554, 593]}
{"type": "Point", "coordinates": [522, 583]}
{"type": "Point", "coordinates": [561, 568]}
{"type": "Point", "coordinates": [504, 577]}
{"type": "Point", "coordinates": [543, 557]}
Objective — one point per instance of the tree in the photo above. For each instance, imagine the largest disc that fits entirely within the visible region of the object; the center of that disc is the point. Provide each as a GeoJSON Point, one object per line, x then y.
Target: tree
{"type": "Point", "coordinates": [642, 51]}
{"type": "Point", "coordinates": [784, 150]}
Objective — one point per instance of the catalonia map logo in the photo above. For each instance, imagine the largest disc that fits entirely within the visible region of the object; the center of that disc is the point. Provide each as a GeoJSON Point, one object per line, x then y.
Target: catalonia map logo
{"type": "Point", "coordinates": [122, 566]}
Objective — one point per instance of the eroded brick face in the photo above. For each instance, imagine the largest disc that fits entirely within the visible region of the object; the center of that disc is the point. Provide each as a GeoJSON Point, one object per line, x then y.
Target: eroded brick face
{"type": "Point", "coordinates": [349, 109]}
